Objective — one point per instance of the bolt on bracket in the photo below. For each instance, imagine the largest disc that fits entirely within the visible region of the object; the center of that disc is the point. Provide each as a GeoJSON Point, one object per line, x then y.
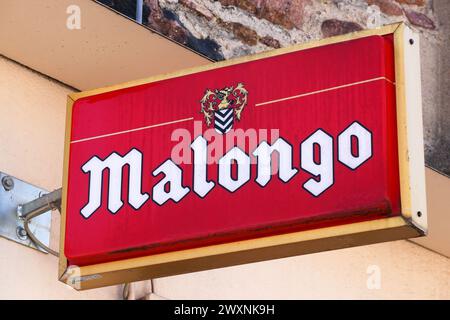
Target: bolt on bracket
{"type": "Point", "coordinates": [18, 199]}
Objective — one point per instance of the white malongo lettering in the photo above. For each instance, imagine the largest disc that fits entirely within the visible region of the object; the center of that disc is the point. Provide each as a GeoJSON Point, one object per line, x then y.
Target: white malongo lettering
{"type": "Point", "coordinates": [354, 147]}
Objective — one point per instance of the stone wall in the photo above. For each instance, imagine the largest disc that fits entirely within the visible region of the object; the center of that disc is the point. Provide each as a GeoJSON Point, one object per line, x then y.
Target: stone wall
{"type": "Point", "coordinates": [242, 27]}
{"type": "Point", "coordinates": [224, 29]}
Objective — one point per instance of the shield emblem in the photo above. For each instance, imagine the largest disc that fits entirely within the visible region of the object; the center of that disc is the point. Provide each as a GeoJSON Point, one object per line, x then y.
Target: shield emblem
{"type": "Point", "coordinates": [223, 107]}
{"type": "Point", "coordinates": [223, 120]}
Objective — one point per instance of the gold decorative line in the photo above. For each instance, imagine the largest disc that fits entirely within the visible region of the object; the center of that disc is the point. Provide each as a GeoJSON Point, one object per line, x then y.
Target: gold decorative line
{"type": "Point", "coordinates": [323, 90]}
{"type": "Point", "coordinates": [132, 130]}
{"type": "Point", "coordinates": [257, 104]}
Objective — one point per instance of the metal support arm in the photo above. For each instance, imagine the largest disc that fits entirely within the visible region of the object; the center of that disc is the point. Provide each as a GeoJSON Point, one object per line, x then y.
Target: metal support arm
{"type": "Point", "coordinates": [49, 201]}
{"type": "Point", "coordinates": [37, 207]}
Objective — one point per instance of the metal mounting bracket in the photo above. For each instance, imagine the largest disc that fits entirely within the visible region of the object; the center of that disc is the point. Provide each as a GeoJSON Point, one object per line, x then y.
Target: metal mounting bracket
{"type": "Point", "coordinates": [15, 199]}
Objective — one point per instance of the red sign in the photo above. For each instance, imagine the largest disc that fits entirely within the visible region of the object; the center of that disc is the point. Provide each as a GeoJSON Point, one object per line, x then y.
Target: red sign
{"type": "Point", "coordinates": [298, 141]}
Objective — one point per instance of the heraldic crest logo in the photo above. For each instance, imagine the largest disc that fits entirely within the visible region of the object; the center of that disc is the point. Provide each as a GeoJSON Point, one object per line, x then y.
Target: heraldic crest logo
{"type": "Point", "coordinates": [224, 106]}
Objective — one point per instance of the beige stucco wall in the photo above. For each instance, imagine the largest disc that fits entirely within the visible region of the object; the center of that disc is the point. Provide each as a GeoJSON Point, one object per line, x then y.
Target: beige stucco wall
{"type": "Point", "coordinates": [407, 271]}
{"type": "Point", "coordinates": [32, 115]}
{"type": "Point", "coordinates": [32, 109]}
